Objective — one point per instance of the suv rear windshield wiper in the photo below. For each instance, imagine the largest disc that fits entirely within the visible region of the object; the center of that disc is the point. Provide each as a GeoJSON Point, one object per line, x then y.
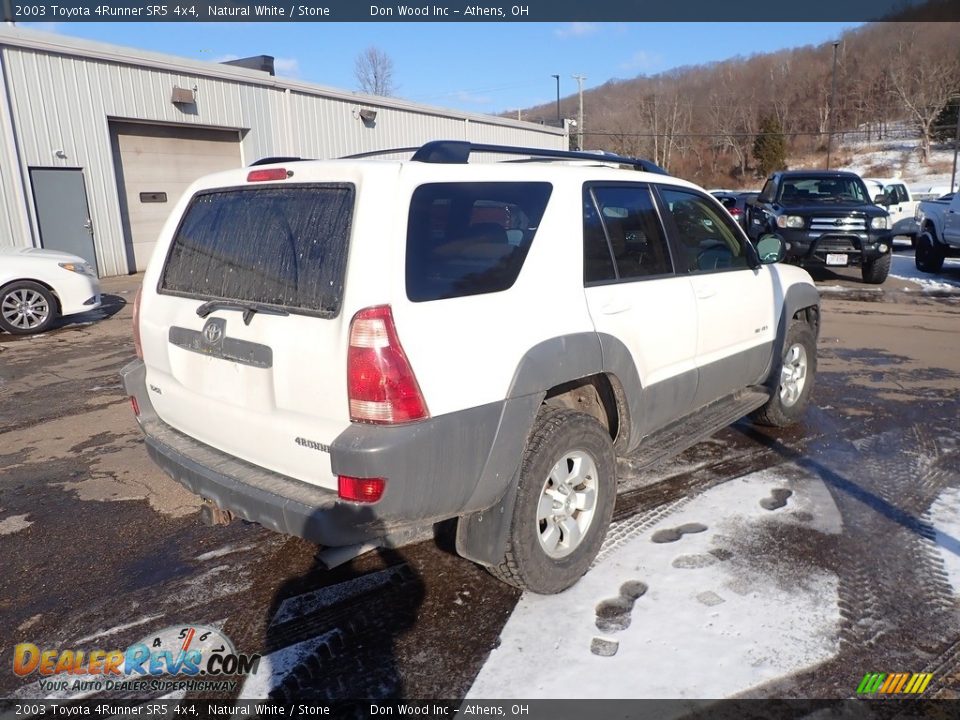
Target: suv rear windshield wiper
{"type": "Point", "coordinates": [248, 309]}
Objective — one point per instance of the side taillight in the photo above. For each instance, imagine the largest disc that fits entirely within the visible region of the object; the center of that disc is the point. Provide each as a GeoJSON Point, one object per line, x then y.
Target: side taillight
{"type": "Point", "coordinates": [365, 490]}
{"type": "Point", "coordinates": [137, 346]}
{"type": "Point", "coordinates": [381, 386]}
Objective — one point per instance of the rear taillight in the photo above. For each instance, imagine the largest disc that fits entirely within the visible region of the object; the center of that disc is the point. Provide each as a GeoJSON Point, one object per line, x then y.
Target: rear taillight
{"type": "Point", "coordinates": [269, 174]}
{"type": "Point", "coordinates": [137, 346]}
{"type": "Point", "coordinates": [381, 385]}
{"type": "Point", "coordinates": [365, 490]}
{"type": "Point", "coordinates": [735, 212]}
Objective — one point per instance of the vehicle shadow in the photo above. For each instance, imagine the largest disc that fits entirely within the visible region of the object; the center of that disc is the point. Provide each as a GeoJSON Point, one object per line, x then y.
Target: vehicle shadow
{"type": "Point", "coordinates": [332, 633]}
{"type": "Point", "coordinates": [110, 306]}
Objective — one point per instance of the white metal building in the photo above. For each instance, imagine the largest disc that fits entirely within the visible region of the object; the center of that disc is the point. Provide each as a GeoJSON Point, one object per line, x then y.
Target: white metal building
{"type": "Point", "coordinates": [97, 142]}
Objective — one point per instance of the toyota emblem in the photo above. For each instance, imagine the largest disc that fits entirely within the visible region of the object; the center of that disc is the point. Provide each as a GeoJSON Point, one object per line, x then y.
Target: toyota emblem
{"type": "Point", "coordinates": [213, 331]}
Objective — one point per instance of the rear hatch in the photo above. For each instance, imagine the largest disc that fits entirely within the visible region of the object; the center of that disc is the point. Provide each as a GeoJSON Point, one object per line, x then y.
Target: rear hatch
{"type": "Point", "coordinates": [244, 337]}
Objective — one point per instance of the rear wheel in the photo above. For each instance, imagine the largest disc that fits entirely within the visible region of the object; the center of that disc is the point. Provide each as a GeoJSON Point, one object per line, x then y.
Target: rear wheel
{"type": "Point", "coordinates": [798, 367]}
{"type": "Point", "coordinates": [564, 502]}
{"type": "Point", "coordinates": [876, 271]}
{"type": "Point", "coordinates": [930, 254]}
{"type": "Point", "coordinates": [26, 307]}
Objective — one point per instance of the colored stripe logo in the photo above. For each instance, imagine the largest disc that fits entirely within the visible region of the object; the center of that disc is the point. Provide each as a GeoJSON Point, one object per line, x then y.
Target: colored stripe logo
{"type": "Point", "coordinates": [894, 683]}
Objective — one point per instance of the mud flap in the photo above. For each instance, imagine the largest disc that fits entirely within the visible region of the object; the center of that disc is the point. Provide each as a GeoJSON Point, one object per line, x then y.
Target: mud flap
{"type": "Point", "coordinates": [482, 536]}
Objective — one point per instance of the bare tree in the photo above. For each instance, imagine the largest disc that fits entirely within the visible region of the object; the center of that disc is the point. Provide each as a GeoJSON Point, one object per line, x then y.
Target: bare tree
{"type": "Point", "coordinates": [373, 70]}
{"type": "Point", "coordinates": [924, 76]}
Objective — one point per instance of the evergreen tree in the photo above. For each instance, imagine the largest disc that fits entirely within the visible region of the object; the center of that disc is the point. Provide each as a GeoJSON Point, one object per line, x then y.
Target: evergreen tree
{"type": "Point", "coordinates": [946, 121]}
{"type": "Point", "coordinates": [769, 147]}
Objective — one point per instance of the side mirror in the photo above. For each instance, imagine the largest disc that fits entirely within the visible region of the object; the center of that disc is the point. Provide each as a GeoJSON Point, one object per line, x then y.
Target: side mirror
{"type": "Point", "coordinates": [881, 199]}
{"type": "Point", "coordinates": [770, 249]}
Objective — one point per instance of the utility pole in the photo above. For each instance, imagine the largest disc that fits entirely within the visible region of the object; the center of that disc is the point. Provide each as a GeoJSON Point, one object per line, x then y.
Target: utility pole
{"type": "Point", "coordinates": [956, 145]}
{"type": "Point", "coordinates": [833, 94]}
{"type": "Point", "coordinates": [580, 79]}
{"type": "Point", "coordinates": [557, 78]}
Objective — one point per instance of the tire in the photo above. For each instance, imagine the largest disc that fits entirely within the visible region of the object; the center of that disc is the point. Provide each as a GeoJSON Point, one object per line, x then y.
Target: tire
{"type": "Point", "coordinates": [566, 450]}
{"type": "Point", "coordinates": [27, 307]}
{"type": "Point", "coordinates": [929, 255]}
{"type": "Point", "coordinates": [875, 271]}
{"type": "Point", "coordinates": [792, 395]}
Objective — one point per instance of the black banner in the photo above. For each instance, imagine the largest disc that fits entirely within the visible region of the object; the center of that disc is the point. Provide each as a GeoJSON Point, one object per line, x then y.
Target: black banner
{"type": "Point", "coordinates": [470, 709]}
{"type": "Point", "coordinates": [483, 11]}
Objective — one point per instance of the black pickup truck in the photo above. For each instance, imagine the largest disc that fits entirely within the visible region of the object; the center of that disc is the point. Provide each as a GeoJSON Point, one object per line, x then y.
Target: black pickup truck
{"type": "Point", "coordinates": [826, 218]}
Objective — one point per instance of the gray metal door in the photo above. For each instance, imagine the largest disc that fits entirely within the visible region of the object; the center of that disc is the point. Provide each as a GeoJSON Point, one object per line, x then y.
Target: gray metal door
{"type": "Point", "coordinates": [62, 212]}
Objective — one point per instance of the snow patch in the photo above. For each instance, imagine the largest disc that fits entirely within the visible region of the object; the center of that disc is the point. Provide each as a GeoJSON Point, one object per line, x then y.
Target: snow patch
{"type": "Point", "coordinates": [309, 602]}
{"type": "Point", "coordinates": [226, 550]}
{"type": "Point", "coordinates": [277, 665]}
{"type": "Point", "coordinates": [944, 515]}
{"type": "Point", "coordinates": [116, 629]}
{"type": "Point", "coordinates": [14, 524]}
{"type": "Point", "coordinates": [904, 267]}
{"type": "Point", "coordinates": [701, 629]}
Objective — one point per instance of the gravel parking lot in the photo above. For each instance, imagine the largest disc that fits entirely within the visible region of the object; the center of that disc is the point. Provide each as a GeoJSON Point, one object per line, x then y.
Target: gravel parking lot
{"type": "Point", "coordinates": [100, 548]}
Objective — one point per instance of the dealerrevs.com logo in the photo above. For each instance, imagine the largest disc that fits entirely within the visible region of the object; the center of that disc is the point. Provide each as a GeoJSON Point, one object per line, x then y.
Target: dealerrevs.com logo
{"type": "Point", "coordinates": [174, 658]}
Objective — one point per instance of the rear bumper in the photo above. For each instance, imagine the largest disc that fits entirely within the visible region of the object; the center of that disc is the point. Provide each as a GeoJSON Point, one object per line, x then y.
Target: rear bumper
{"type": "Point", "coordinates": [433, 472]}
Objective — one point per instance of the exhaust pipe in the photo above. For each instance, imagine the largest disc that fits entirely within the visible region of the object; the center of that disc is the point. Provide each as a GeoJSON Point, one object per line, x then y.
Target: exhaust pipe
{"type": "Point", "coordinates": [211, 515]}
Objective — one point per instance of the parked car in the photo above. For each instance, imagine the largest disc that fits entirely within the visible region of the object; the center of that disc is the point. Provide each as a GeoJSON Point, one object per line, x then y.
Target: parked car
{"type": "Point", "coordinates": [736, 203]}
{"type": "Point", "coordinates": [826, 218]}
{"type": "Point", "coordinates": [348, 350]}
{"type": "Point", "coordinates": [939, 223]}
{"type": "Point", "coordinates": [895, 196]}
{"type": "Point", "coordinates": [39, 286]}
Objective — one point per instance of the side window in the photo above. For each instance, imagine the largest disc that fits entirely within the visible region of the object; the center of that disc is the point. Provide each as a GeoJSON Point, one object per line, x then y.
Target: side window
{"type": "Point", "coordinates": [708, 241]}
{"type": "Point", "coordinates": [622, 222]}
{"type": "Point", "coordinates": [897, 193]}
{"type": "Point", "coordinates": [470, 238]}
{"type": "Point", "coordinates": [597, 261]}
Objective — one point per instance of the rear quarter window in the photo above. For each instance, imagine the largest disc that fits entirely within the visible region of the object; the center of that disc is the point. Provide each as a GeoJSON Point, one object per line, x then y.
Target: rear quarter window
{"type": "Point", "coordinates": [470, 238]}
{"type": "Point", "coordinates": [279, 246]}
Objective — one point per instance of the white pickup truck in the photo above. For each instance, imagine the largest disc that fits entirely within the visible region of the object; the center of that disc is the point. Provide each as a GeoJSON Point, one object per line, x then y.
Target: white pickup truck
{"type": "Point", "coordinates": [900, 203]}
{"type": "Point", "coordinates": [939, 226]}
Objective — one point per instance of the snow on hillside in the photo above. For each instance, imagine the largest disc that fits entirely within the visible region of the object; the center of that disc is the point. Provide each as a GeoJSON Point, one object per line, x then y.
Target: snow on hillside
{"type": "Point", "coordinates": [897, 156]}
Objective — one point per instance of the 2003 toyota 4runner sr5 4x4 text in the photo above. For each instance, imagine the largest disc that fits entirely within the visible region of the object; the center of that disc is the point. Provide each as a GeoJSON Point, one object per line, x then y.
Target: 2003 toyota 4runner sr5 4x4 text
{"type": "Point", "coordinates": [347, 350]}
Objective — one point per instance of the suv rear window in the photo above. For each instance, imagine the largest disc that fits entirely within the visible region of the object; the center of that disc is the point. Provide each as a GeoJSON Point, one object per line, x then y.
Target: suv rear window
{"type": "Point", "coordinates": [470, 238]}
{"type": "Point", "coordinates": [285, 247]}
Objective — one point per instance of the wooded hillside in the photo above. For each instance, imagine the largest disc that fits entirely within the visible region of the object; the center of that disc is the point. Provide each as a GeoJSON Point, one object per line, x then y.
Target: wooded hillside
{"type": "Point", "coordinates": [701, 122]}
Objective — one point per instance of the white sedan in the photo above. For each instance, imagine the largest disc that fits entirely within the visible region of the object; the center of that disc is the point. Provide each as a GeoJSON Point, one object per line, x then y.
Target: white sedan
{"type": "Point", "coordinates": [38, 286]}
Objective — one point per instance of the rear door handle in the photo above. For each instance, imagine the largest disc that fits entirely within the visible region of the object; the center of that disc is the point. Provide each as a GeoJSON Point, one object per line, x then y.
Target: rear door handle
{"type": "Point", "coordinates": [705, 293]}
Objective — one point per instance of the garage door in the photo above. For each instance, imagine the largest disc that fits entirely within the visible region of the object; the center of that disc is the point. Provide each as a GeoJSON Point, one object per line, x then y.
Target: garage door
{"type": "Point", "coordinates": [155, 164]}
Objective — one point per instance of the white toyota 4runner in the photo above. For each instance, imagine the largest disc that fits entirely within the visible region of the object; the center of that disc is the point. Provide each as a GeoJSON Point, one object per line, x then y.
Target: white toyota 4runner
{"type": "Point", "coordinates": [346, 350]}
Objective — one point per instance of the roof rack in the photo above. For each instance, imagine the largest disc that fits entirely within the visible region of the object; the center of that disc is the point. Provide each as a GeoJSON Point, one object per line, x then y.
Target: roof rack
{"type": "Point", "coordinates": [457, 152]}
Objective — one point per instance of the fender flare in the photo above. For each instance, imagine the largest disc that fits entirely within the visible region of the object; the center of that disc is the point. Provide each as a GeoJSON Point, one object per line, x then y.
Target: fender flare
{"type": "Point", "coordinates": [482, 531]}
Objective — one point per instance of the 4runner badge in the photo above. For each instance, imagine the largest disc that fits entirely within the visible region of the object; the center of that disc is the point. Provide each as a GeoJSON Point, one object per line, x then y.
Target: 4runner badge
{"type": "Point", "coordinates": [312, 444]}
{"type": "Point", "coordinates": [213, 330]}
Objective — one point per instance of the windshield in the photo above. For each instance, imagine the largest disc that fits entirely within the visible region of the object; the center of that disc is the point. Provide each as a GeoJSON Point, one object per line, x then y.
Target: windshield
{"type": "Point", "coordinates": [822, 190]}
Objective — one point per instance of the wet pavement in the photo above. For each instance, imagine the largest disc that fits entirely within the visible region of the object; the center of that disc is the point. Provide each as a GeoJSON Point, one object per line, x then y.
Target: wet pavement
{"type": "Point", "coordinates": [100, 548]}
